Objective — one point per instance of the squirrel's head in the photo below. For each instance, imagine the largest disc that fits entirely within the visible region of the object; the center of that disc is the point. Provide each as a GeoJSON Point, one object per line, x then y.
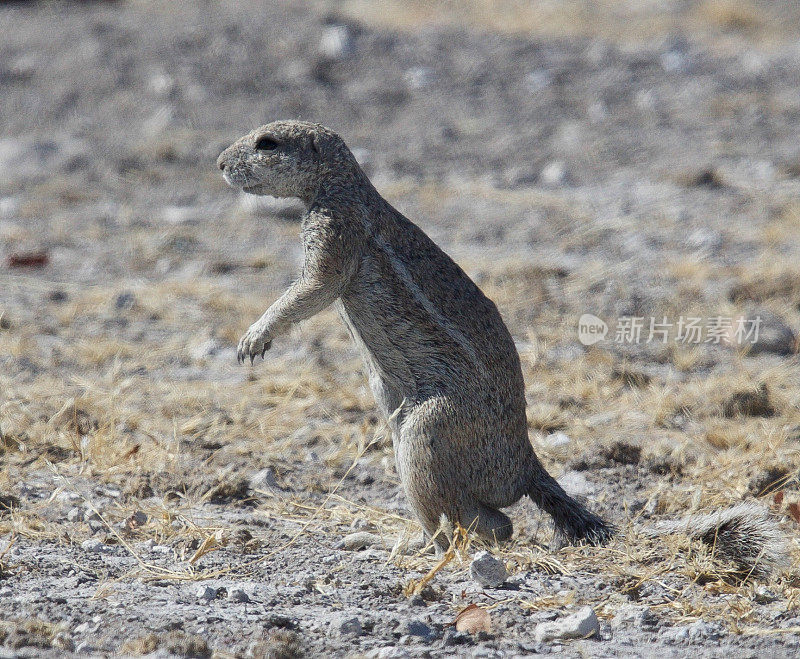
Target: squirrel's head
{"type": "Point", "coordinates": [286, 159]}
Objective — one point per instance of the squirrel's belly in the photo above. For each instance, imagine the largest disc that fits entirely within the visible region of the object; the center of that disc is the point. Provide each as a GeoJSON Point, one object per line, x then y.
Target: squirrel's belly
{"type": "Point", "coordinates": [411, 359]}
{"type": "Point", "coordinates": [390, 377]}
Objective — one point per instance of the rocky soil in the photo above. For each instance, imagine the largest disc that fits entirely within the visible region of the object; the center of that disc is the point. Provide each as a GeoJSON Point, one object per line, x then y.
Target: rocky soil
{"type": "Point", "coordinates": [634, 161]}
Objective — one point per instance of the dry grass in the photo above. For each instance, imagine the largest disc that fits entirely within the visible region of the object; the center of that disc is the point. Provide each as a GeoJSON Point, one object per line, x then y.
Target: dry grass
{"type": "Point", "coordinates": [144, 413]}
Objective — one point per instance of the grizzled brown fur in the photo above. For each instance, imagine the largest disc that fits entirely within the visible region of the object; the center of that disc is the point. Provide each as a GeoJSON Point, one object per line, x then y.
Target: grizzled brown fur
{"type": "Point", "coordinates": [443, 367]}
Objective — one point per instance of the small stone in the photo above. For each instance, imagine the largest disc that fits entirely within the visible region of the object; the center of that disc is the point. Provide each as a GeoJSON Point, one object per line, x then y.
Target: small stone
{"type": "Point", "coordinates": [597, 111]}
{"type": "Point", "coordinates": [416, 78]}
{"type": "Point", "coordinates": [519, 176]}
{"type": "Point", "coordinates": [418, 628]}
{"type": "Point", "coordinates": [536, 81]}
{"type": "Point", "coordinates": [58, 296]}
{"type": "Point", "coordinates": [237, 594]}
{"type": "Point", "coordinates": [336, 42]}
{"type": "Point", "coordinates": [487, 570]}
{"type": "Point", "coordinates": [125, 301]}
{"type": "Point", "coordinates": [95, 546]}
{"type": "Point", "coordinates": [637, 616]}
{"type": "Point", "coordinates": [161, 83]}
{"type": "Point", "coordinates": [600, 419]}
{"type": "Point", "coordinates": [358, 541]}
{"type": "Point", "coordinates": [764, 595]}
{"type": "Point", "coordinates": [205, 593]}
{"type": "Point", "coordinates": [705, 239]}
{"type": "Point", "coordinates": [581, 624]}
{"type": "Point", "coordinates": [75, 514]}
{"type": "Point", "coordinates": [342, 625]}
{"type": "Point", "coordinates": [554, 174]}
{"type": "Point", "coordinates": [264, 480]}
{"type": "Point", "coordinates": [95, 525]}
{"type": "Point", "coordinates": [12, 152]}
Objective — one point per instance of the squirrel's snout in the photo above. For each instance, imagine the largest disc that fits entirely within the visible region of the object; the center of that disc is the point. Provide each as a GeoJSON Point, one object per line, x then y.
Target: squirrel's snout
{"type": "Point", "coordinates": [225, 167]}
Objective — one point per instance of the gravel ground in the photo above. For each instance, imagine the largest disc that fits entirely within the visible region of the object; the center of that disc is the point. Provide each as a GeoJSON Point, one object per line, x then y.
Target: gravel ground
{"type": "Point", "coordinates": [156, 498]}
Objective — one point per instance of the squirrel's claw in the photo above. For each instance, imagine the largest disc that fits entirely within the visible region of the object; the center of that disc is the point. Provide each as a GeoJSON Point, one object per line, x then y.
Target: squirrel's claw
{"type": "Point", "coordinates": [251, 345]}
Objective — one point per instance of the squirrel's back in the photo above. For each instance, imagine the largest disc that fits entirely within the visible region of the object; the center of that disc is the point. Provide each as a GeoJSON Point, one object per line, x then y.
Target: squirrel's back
{"type": "Point", "coordinates": [440, 314]}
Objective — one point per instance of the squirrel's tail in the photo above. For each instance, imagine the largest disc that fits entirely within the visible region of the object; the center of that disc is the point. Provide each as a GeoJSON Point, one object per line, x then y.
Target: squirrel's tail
{"type": "Point", "coordinates": [744, 534]}
{"type": "Point", "coordinates": [574, 523]}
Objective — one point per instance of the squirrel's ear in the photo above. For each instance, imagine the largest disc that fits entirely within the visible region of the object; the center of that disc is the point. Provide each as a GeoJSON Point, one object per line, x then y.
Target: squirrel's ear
{"type": "Point", "coordinates": [316, 147]}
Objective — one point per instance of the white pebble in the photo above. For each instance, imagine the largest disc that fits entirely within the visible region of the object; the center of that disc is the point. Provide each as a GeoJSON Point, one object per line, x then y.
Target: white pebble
{"type": "Point", "coordinates": [554, 174]}
{"type": "Point", "coordinates": [357, 541]}
{"type": "Point", "coordinates": [335, 41]}
{"type": "Point", "coordinates": [75, 514]}
{"type": "Point", "coordinates": [264, 480]}
{"type": "Point", "coordinates": [581, 624]}
{"type": "Point", "coordinates": [95, 546]}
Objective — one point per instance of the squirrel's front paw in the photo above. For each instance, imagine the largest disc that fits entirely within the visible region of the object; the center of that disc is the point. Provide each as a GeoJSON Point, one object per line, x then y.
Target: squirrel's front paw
{"type": "Point", "coordinates": [252, 344]}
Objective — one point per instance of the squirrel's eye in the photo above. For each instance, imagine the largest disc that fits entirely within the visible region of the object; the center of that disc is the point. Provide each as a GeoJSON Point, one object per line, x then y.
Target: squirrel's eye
{"type": "Point", "coordinates": [266, 144]}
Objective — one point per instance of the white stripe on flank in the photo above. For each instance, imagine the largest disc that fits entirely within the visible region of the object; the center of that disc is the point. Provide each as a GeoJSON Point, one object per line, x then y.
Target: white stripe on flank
{"type": "Point", "coordinates": [419, 296]}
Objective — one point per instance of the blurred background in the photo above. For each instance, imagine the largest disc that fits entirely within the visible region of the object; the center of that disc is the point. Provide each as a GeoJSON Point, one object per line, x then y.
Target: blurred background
{"type": "Point", "coordinates": [643, 153]}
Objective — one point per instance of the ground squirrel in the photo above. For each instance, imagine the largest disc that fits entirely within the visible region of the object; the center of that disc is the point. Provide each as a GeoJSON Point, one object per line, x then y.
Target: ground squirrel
{"type": "Point", "coordinates": [442, 365]}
